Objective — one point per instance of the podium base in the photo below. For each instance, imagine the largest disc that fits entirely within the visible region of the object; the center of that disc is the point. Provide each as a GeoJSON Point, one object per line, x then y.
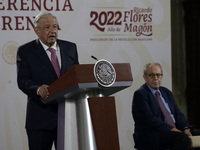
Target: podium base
{"type": "Point", "coordinates": [88, 122]}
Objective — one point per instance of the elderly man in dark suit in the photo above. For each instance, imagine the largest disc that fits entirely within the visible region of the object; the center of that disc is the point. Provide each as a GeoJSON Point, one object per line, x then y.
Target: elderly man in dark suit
{"type": "Point", "coordinates": [39, 63]}
{"type": "Point", "coordinates": [158, 127]}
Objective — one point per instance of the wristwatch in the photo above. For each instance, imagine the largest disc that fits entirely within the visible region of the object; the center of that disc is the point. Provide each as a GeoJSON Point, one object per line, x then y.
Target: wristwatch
{"type": "Point", "coordinates": [186, 128]}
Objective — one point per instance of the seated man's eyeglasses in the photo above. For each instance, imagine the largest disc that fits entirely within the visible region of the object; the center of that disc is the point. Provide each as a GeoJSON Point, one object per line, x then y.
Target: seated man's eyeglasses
{"type": "Point", "coordinates": [152, 75]}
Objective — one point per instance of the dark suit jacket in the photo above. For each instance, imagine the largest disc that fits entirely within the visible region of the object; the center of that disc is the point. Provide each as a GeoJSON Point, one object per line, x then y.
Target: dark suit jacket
{"type": "Point", "coordinates": [34, 69]}
{"type": "Point", "coordinates": [149, 119]}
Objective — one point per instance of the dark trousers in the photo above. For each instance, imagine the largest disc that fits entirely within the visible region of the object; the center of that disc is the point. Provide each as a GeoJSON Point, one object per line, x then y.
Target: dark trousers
{"type": "Point", "coordinates": [174, 140]}
{"type": "Point", "coordinates": [42, 139]}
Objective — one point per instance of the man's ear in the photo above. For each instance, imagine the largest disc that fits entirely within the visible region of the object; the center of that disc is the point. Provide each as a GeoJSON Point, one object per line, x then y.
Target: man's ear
{"type": "Point", "coordinates": [36, 30]}
{"type": "Point", "coordinates": [144, 77]}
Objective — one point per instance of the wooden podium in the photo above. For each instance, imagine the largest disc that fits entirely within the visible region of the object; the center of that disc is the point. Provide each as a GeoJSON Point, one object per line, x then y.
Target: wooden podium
{"type": "Point", "coordinates": [86, 115]}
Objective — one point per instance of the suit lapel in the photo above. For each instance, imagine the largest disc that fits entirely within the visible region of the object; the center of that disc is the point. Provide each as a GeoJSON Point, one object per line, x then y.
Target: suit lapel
{"type": "Point", "coordinates": [153, 98]}
{"type": "Point", "coordinates": [64, 57]}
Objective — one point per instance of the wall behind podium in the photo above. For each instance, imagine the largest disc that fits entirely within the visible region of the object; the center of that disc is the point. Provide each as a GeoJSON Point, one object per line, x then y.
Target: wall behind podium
{"type": "Point", "coordinates": [120, 31]}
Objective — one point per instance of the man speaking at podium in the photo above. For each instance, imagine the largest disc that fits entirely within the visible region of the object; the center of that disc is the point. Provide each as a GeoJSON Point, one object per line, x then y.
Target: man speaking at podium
{"type": "Point", "coordinates": [40, 63]}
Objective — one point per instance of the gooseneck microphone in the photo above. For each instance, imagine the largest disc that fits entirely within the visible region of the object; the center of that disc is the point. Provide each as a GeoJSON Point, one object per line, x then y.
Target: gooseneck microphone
{"type": "Point", "coordinates": [94, 58]}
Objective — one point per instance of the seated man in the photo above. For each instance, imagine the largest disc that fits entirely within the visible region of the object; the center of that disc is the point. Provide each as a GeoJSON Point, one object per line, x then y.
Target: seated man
{"type": "Point", "coordinates": [159, 124]}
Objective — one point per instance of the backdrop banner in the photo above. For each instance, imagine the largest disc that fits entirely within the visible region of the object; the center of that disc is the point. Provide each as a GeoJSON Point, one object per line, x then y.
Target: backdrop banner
{"type": "Point", "coordinates": [120, 31]}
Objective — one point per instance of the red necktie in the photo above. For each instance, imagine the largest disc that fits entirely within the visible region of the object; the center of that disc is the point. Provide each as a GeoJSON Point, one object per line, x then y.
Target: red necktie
{"type": "Point", "coordinates": [164, 110]}
{"type": "Point", "coordinates": [54, 61]}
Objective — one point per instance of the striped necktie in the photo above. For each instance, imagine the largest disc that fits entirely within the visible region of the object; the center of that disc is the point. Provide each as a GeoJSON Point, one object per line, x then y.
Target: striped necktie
{"type": "Point", "coordinates": [164, 110]}
{"type": "Point", "coordinates": [54, 61]}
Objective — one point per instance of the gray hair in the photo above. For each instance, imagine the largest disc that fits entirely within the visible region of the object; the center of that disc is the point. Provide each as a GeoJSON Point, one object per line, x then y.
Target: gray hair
{"type": "Point", "coordinates": [146, 67]}
{"type": "Point", "coordinates": [43, 15]}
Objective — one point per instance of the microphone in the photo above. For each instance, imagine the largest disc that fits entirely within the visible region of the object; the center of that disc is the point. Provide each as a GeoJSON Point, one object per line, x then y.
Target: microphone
{"type": "Point", "coordinates": [94, 58]}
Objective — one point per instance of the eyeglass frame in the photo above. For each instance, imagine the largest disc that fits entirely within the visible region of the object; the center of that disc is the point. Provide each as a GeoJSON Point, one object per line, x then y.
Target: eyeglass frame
{"type": "Point", "coordinates": [153, 75]}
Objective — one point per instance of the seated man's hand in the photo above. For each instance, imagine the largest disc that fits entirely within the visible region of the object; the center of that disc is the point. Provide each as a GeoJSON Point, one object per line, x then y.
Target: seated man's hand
{"type": "Point", "coordinates": [176, 130]}
{"type": "Point", "coordinates": [187, 131]}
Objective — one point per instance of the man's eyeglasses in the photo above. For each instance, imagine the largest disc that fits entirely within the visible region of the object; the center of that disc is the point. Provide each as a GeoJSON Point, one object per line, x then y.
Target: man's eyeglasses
{"type": "Point", "coordinates": [152, 75]}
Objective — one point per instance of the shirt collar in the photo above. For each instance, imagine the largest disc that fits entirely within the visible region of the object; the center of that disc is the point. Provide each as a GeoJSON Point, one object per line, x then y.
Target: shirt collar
{"type": "Point", "coordinates": [153, 91]}
{"type": "Point", "coordinates": [46, 47]}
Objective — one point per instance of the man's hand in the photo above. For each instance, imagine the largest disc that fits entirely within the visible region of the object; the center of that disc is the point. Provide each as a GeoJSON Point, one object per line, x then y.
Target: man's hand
{"type": "Point", "coordinates": [176, 130]}
{"type": "Point", "coordinates": [43, 91]}
{"type": "Point", "coordinates": [187, 131]}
